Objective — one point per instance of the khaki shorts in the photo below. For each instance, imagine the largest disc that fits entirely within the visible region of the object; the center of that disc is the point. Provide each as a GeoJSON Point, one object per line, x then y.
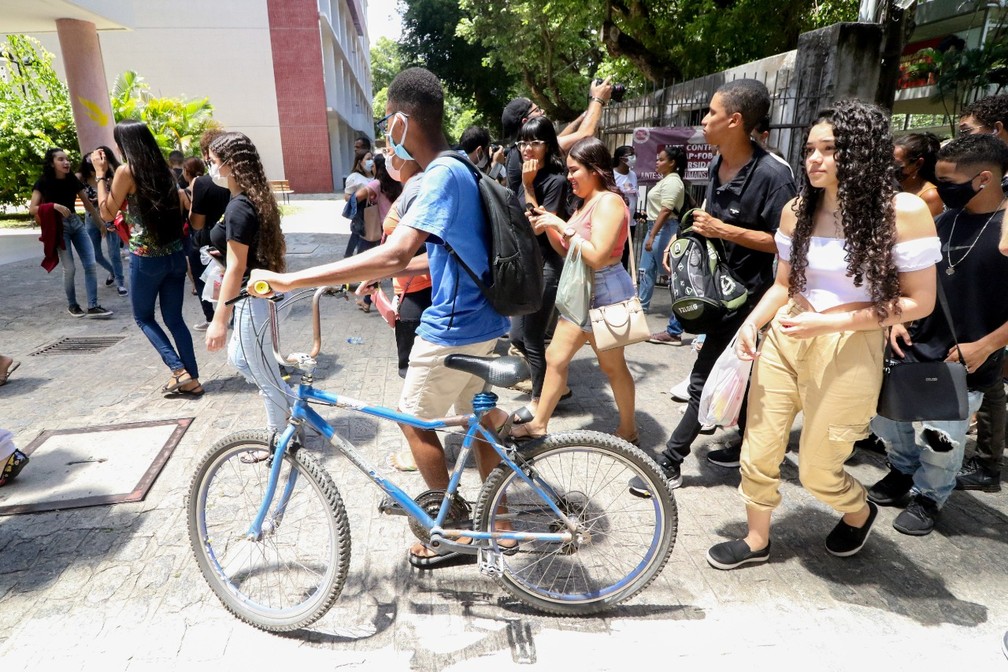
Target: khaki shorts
{"type": "Point", "coordinates": [431, 388]}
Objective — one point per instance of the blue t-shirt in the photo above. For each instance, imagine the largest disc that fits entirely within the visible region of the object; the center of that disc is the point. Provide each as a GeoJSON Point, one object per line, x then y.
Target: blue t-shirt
{"type": "Point", "coordinates": [448, 209]}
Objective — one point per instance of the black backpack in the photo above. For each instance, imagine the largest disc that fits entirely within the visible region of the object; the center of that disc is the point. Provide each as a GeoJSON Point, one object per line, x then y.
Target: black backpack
{"type": "Point", "coordinates": [703, 289]}
{"type": "Point", "coordinates": [515, 286]}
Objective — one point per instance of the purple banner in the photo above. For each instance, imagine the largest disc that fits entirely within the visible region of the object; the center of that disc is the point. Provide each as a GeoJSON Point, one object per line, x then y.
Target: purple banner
{"type": "Point", "coordinates": [647, 142]}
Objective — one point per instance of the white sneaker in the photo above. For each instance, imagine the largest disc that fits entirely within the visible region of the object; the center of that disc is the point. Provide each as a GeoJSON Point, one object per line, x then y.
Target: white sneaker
{"type": "Point", "coordinates": [680, 392]}
{"type": "Point", "coordinates": [201, 326]}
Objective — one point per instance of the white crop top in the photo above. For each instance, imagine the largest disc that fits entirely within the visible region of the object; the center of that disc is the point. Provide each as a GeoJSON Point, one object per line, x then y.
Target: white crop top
{"type": "Point", "coordinates": [827, 284]}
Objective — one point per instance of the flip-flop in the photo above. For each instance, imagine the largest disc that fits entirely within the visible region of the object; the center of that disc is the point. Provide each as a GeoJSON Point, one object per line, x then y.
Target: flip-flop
{"type": "Point", "coordinates": [521, 416]}
{"type": "Point", "coordinates": [449, 559]}
{"type": "Point", "coordinates": [194, 393]}
{"type": "Point", "coordinates": [176, 382]}
{"type": "Point", "coordinates": [401, 461]}
{"type": "Point", "coordinates": [524, 437]}
{"type": "Point", "coordinates": [10, 369]}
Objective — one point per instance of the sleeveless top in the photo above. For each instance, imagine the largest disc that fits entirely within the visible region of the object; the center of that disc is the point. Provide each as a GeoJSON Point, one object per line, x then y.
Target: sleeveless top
{"type": "Point", "coordinates": [141, 243]}
{"type": "Point", "coordinates": [581, 222]}
{"type": "Point", "coordinates": [827, 284]}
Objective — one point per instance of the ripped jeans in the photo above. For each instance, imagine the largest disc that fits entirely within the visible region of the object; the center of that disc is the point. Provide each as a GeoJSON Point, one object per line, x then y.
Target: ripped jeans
{"type": "Point", "coordinates": [909, 445]}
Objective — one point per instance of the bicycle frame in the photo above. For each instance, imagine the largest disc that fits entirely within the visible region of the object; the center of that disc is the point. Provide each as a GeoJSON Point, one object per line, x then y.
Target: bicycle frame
{"type": "Point", "coordinates": [302, 413]}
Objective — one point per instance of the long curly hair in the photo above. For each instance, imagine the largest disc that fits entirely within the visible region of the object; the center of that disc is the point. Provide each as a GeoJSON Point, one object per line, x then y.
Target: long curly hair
{"type": "Point", "coordinates": [864, 166]}
{"type": "Point", "coordinates": [156, 190]}
{"type": "Point", "coordinates": [238, 152]}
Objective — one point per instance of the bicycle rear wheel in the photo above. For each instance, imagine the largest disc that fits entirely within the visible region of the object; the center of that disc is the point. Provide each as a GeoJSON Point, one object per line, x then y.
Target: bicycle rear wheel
{"type": "Point", "coordinates": [623, 541]}
{"type": "Point", "coordinates": [289, 577]}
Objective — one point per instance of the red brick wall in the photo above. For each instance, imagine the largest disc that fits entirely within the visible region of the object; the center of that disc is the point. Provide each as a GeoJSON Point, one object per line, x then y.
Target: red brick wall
{"type": "Point", "coordinates": [300, 89]}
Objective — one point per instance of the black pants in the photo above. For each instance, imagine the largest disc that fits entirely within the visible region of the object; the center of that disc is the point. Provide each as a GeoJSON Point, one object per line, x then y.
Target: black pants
{"type": "Point", "coordinates": [528, 332]}
{"type": "Point", "coordinates": [991, 419]}
{"type": "Point", "coordinates": [411, 309]}
{"type": "Point", "coordinates": [197, 267]}
{"type": "Point", "coordinates": [678, 446]}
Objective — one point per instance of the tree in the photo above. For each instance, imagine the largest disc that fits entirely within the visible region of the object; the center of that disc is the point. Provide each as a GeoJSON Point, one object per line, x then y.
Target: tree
{"type": "Point", "coordinates": [35, 115]}
{"type": "Point", "coordinates": [431, 38]}
{"type": "Point", "coordinates": [176, 123]}
{"type": "Point", "coordinates": [387, 60]}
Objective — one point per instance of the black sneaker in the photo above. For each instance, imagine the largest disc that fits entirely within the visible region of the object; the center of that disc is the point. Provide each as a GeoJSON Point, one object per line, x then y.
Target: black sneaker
{"type": "Point", "coordinates": [892, 490]}
{"type": "Point", "coordinates": [735, 553]}
{"type": "Point", "coordinates": [98, 311]}
{"type": "Point", "coordinates": [975, 476]}
{"type": "Point", "coordinates": [919, 517]}
{"type": "Point", "coordinates": [109, 280]}
{"type": "Point", "coordinates": [672, 471]}
{"type": "Point", "coordinates": [871, 443]}
{"type": "Point", "coordinates": [75, 310]}
{"type": "Point", "coordinates": [844, 541]}
{"type": "Point", "coordinates": [727, 456]}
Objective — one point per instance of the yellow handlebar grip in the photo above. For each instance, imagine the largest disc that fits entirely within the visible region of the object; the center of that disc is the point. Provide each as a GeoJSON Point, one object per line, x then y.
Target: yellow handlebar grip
{"type": "Point", "coordinates": [261, 287]}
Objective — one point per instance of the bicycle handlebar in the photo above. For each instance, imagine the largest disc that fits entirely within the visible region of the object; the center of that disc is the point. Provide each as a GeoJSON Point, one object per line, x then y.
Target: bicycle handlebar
{"type": "Point", "coordinates": [262, 287]}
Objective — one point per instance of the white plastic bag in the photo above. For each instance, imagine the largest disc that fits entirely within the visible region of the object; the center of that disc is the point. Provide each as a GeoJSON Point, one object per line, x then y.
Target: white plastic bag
{"type": "Point", "coordinates": [725, 389]}
{"type": "Point", "coordinates": [212, 276]}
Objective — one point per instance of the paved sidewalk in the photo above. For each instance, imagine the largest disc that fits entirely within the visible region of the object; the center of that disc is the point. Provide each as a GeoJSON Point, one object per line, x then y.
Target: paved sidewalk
{"type": "Point", "coordinates": [117, 587]}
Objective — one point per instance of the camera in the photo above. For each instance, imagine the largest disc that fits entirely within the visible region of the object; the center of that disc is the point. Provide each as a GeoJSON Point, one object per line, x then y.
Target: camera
{"type": "Point", "coordinates": [618, 90]}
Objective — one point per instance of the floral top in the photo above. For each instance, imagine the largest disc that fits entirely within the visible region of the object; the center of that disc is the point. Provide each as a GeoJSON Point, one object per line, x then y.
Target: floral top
{"type": "Point", "coordinates": [140, 242]}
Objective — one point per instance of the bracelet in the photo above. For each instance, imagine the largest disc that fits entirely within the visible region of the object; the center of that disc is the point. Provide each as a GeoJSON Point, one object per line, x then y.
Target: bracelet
{"type": "Point", "coordinates": [601, 102]}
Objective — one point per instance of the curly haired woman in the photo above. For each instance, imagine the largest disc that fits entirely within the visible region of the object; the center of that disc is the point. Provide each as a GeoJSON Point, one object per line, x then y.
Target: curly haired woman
{"type": "Point", "coordinates": [249, 238]}
{"type": "Point", "coordinates": [855, 257]}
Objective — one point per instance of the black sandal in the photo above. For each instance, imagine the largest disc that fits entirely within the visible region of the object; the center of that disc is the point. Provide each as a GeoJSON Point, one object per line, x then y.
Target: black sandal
{"type": "Point", "coordinates": [522, 415]}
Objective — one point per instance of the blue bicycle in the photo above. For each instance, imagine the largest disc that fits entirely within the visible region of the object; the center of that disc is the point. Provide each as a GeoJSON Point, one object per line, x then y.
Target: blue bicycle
{"type": "Point", "coordinates": [554, 524]}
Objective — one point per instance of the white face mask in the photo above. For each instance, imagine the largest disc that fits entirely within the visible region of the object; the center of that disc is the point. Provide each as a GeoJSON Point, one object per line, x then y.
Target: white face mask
{"type": "Point", "coordinates": [482, 160]}
{"type": "Point", "coordinates": [369, 166]}
{"type": "Point", "coordinates": [631, 161]}
{"type": "Point", "coordinates": [218, 179]}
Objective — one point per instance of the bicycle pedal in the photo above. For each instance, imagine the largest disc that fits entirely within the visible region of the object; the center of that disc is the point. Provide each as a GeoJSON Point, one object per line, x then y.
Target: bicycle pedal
{"type": "Point", "coordinates": [390, 507]}
{"type": "Point", "coordinates": [490, 562]}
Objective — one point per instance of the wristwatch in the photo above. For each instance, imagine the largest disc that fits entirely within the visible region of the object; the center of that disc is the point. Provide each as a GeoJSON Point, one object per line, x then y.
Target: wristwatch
{"type": "Point", "coordinates": [569, 232]}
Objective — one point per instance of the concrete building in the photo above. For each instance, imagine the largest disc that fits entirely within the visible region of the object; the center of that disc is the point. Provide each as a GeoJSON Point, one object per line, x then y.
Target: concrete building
{"type": "Point", "coordinates": [294, 75]}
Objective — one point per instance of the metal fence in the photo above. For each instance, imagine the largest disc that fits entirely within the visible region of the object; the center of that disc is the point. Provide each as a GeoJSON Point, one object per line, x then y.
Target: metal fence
{"type": "Point", "coordinates": [794, 100]}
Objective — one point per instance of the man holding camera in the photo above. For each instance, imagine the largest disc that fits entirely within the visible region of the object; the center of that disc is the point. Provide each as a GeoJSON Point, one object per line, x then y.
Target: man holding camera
{"type": "Point", "coordinates": [520, 110]}
{"type": "Point", "coordinates": [489, 158]}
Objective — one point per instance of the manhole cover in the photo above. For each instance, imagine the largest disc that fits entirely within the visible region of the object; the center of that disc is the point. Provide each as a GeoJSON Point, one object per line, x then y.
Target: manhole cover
{"type": "Point", "coordinates": [71, 345]}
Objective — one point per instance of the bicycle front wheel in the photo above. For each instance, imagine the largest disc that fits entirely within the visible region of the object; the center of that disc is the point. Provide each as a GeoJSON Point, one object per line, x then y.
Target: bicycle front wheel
{"type": "Point", "coordinates": [291, 575]}
{"type": "Point", "coordinates": [622, 541]}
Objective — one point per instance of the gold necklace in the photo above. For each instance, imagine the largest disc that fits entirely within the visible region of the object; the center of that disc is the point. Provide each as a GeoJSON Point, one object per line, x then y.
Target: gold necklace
{"type": "Point", "coordinates": [951, 267]}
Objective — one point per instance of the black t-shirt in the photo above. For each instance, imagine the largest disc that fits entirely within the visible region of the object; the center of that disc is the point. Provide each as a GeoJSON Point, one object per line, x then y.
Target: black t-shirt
{"type": "Point", "coordinates": [513, 166]}
{"type": "Point", "coordinates": [63, 191]}
{"type": "Point", "coordinates": [975, 292]}
{"type": "Point", "coordinates": [753, 200]}
{"type": "Point", "coordinates": [551, 190]}
{"type": "Point", "coordinates": [210, 201]}
{"type": "Point", "coordinates": [241, 224]}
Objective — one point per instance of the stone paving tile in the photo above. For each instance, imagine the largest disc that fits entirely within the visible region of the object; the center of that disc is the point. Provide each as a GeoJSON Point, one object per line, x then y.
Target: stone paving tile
{"type": "Point", "coordinates": [116, 588]}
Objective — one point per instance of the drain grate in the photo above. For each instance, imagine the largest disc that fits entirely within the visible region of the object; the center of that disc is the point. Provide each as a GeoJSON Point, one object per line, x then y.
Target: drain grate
{"type": "Point", "coordinates": [73, 345]}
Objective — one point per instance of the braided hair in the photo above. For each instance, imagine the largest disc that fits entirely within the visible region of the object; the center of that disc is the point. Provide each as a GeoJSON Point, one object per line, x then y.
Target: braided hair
{"type": "Point", "coordinates": [865, 203]}
{"type": "Point", "coordinates": [238, 152]}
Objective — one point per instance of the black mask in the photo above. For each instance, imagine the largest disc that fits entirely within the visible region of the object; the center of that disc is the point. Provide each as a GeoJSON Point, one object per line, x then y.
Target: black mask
{"type": "Point", "coordinates": [956, 196]}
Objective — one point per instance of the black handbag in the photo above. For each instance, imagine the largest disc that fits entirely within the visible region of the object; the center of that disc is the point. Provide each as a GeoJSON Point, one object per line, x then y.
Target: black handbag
{"type": "Point", "coordinates": [913, 391]}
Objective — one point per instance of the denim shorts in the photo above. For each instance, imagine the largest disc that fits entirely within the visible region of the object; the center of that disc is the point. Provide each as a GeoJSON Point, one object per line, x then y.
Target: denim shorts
{"type": "Point", "coordinates": [610, 285]}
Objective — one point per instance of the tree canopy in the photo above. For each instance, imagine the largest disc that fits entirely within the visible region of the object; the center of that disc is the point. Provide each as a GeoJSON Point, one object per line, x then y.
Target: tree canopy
{"type": "Point", "coordinates": [490, 51]}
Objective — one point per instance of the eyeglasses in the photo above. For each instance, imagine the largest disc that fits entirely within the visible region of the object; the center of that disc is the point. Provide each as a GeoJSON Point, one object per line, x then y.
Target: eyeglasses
{"type": "Point", "coordinates": [383, 123]}
{"type": "Point", "coordinates": [530, 144]}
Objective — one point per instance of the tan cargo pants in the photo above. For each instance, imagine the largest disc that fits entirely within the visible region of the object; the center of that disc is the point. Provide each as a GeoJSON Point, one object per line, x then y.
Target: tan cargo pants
{"type": "Point", "coordinates": [834, 380]}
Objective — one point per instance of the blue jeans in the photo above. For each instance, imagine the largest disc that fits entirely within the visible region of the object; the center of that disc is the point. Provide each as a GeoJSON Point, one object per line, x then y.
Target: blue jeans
{"type": "Point", "coordinates": [75, 236]}
{"type": "Point", "coordinates": [934, 472]}
{"type": "Point", "coordinates": [250, 350]}
{"type": "Point", "coordinates": [114, 263]}
{"type": "Point", "coordinates": [649, 264]}
{"type": "Point", "coordinates": [162, 279]}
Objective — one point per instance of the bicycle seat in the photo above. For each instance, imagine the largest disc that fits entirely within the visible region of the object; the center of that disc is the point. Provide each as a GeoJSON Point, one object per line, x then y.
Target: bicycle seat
{"type": "Point", "coordinates": [499, 371]}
